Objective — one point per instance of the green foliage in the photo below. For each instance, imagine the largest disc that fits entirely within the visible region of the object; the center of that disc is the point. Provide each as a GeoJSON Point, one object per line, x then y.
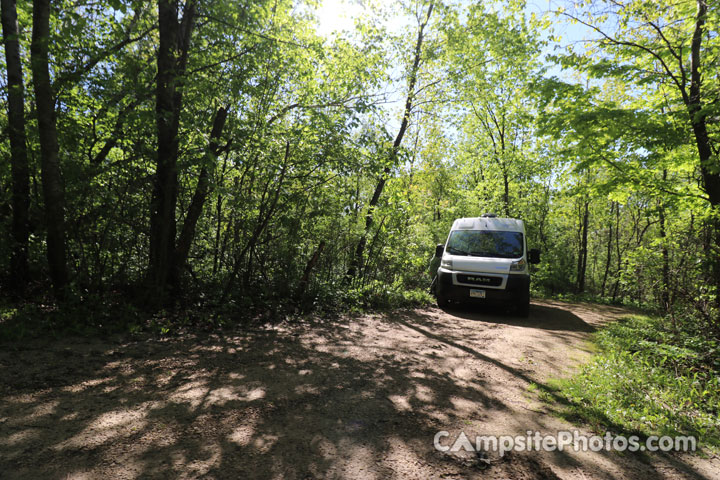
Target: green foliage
{"type": "Point", "coordinates": [378, 295]}
{"type": "Point", "coordinates": [651, 379]}
{"type": "Point", "coordinates": [490, 131]}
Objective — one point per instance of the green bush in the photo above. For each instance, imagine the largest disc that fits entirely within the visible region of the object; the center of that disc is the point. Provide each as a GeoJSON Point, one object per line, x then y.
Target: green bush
{"type": "Point", "coordinates": [377, 295]}
{"type": "Point", "coordinates": [90, 317]}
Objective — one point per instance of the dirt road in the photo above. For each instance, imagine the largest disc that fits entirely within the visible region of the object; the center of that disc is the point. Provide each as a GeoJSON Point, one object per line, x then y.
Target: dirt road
{"type": "Point", "coordinates": [361, 397]}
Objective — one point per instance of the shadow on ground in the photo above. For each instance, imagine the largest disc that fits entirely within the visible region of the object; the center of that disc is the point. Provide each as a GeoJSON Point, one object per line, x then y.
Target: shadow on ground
{"type": "Point", "coordinates": [360, 398]}
{"type": "Point", "coordinates": [541, 316]}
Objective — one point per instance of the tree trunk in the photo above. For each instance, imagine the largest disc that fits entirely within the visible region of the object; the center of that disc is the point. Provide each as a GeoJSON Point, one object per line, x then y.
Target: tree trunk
{"type": "Point", "coordinates": [609, 250]}
{"type": "Point", "coordinates": [618, 251]}
{"type": "Point", "coordinates": [305, 280]}
{"type": "Point", "coordinates": [202, 190]}
{"type": "Point", "coordinates": [53, 193]}
{"type": "Point", "coordinates": [709, 167]}
{"type": "Point", "coordinates": [582, 255]}
{"type": "Point", "coordinates": [506, 193]}
{"type": "Point", "coordinates": [218, 222]}
{"type": "Point", "coordinates": [698, 117]}
{"type": "Point", "coordinates": [665, 287]}
{"type": "Point", "coordinates": [171, 61]}
{"type": "Point", "coordinates": [19, 271]}
{"type": "Point", "coordinates": [357, 261]}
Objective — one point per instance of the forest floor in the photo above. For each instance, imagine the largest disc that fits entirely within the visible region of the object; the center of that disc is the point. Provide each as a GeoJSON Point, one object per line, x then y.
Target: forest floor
{"type": "Point", "coordinates": [356, 397]}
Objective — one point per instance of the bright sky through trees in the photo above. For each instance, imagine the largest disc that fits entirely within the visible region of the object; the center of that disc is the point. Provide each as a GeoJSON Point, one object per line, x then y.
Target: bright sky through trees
{"type": "Point", "coordinates": [337, 15]}
{"type": "Point", "coordinates": [340, 15]}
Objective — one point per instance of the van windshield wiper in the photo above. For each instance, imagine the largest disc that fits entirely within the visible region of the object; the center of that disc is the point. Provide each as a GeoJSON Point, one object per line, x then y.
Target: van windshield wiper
{"type": "Point", "coordinates": [456, 251]}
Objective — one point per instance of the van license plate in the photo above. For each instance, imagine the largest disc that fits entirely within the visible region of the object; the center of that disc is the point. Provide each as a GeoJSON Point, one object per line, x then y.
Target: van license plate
{"type": "Point", "coordinates": [477, 293]}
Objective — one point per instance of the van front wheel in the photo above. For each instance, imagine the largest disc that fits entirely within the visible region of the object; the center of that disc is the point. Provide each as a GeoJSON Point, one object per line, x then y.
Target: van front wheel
{"type": "Point", "coordinates": [442, 302]}
{"type": "Point", "coordinates": [523, 308]}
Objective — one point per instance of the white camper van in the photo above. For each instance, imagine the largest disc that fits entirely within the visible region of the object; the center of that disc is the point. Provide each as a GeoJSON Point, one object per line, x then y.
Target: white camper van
{"type": "Point", "coordinates": [485, 260]}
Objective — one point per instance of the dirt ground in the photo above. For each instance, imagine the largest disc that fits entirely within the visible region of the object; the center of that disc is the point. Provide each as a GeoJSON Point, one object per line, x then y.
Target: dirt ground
{"type": "Point", "coordinates": [361, 397]}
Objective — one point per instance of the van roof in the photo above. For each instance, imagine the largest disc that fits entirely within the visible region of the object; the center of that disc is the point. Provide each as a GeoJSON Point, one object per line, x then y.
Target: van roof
{"type": "Point", "coordinates": [491, 223]}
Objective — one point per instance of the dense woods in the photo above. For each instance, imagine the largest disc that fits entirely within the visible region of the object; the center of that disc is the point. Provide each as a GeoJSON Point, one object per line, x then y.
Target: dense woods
{"type": "Point", "coordinates": [225, 154]}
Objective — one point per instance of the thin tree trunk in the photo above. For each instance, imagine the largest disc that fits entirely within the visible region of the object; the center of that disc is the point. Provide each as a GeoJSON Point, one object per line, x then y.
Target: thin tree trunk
{"type": "Point", "coordinates": [619, 252]}
{"type": "Point", "coordinates": [357, 261]}
{"type": "Point", "coordinates": [609, 250]}
{"type": "Point", "coordinates": [372, 248]}
{"type": "Point", "coordinates": [202, 190]}
{"type": "Point", "coordinates": [53, 192]}
{"type": "Point", "coordinates": [217, 255]}
{"type": "Point", "coordinates": [506, 192]}
{"type": "Point", "coordinates": [665, 287]}
{"type": "Point", "coordinates": [172, 58]}
{"type": "Point", "coordinates": [305, 280]}
{"type": "Point", "coordinates": [582, 256]}
{"type": "Point", "coordinates": [19, 271]}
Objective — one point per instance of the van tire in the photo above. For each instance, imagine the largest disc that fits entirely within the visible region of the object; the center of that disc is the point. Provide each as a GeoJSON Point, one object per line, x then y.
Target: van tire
{"type": "Point", "coordinates": [523, 308]}
{"type": "Point", "coordinates": [442, 302]}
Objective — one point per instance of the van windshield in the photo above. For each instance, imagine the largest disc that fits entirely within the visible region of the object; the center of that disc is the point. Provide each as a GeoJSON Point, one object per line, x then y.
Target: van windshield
{"type": "Point", "coordinates": [486, 243]}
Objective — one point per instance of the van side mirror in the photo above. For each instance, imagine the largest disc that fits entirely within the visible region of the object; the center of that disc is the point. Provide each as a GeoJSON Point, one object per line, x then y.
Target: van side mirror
{"type": "Point", "coordinates": [534, 256]}
{"type": "Point", "coordinates": [439, 250]}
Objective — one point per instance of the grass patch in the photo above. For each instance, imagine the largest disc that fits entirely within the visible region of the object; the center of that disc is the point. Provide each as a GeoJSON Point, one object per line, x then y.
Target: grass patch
{"type": "Point", "coordinates": [571, 297]}
{"type": "Point", "coordinates": [647, 379]}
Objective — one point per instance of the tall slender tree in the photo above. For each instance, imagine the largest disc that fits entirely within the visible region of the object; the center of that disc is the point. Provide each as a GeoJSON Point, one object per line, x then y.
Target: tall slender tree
{"type": "Point", "coordinates": [583, 250]}
{"type": "Point", "coordinates": [202, 190]}
{"type": "Point", "coordinates": [357, 260]}
{"type": "Point", "coordinates": [172, 58]}
{"type": "Point", "coordinates": [52, 184]}
{"type": "Point", "coordinates": [18, 146]}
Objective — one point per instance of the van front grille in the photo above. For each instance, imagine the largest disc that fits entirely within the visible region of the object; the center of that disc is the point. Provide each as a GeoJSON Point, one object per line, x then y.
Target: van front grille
{"type": "Point", "coordinates": [479, 279]}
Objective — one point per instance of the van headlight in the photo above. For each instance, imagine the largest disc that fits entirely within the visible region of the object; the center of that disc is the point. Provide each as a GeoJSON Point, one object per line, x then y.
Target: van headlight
{"type": "Point", "coordinates": [518, 266]}
{"type": "Point", "coordinates": [446, 263]}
